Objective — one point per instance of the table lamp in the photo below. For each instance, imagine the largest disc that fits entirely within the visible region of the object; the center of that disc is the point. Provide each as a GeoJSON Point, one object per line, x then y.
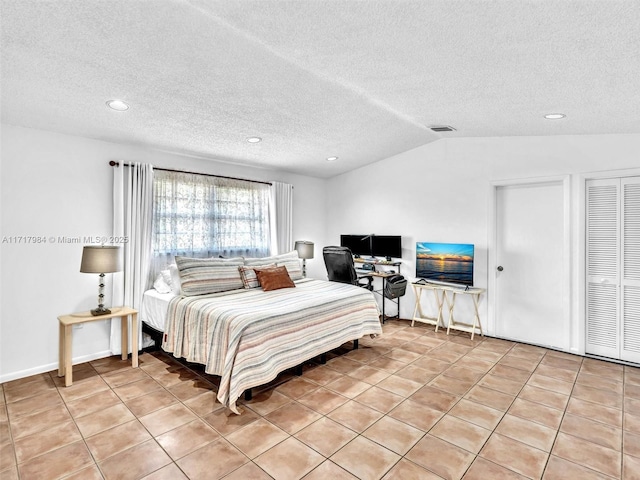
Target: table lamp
{"type": "Point", "coordinates": [305, 251]}
{"type": "Point", "coordinates": [100, 259]}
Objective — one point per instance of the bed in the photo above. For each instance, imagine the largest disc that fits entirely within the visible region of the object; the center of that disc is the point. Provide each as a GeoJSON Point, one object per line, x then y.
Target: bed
{"type": "Point", "coordinates": [247, 336]}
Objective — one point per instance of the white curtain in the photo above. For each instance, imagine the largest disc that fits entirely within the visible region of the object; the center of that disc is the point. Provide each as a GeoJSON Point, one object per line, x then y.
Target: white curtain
{"type": "Point", "coordinates": [282, 219]}
{"type": "Point", "coordinates": [132, 220]}
{"type": "Point", "coordinates": [207, 216]}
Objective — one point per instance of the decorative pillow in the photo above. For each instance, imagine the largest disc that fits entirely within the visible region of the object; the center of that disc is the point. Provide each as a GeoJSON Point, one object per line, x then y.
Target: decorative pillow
{"type": "Point", "coordinates": [293, 267]}
{"type": "Point", "coordinates": [199, 276]}
{"type": "Point", "coordinates": [274, 278]}
{"type": "Point", "coordinates": [220, 258]}
{"type": "Point", "coordinates": [248, 275]}
{"type": "Point", "coordinates": [290, 260]}
{"type": "Point", "coordinates": [160, 285]}
{"type": "Point", "coordinates": [272, 259]}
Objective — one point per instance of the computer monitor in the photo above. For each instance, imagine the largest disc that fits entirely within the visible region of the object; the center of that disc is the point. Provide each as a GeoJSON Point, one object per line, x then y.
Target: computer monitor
{"type": "Point", "coordinates": [358, 244]}
{"type": "Point", "coordinates": [389, 246]}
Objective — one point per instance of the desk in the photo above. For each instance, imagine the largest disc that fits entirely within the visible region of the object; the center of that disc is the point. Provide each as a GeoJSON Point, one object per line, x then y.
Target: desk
{"type": "Point", "coordinates": [383, 276]}
{"type": "Point", "coordinates": [375, 261]}
{"type": "Point", "coordinates": [65, 339]}
{"type": "Point", "coordinates": [446, 294]}
{"type": "Point", "coordinates": [379, 274]}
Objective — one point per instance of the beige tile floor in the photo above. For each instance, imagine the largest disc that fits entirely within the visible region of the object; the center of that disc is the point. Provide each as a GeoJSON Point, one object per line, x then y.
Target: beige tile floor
{"type": "Point", "coordinates": [412, 404]}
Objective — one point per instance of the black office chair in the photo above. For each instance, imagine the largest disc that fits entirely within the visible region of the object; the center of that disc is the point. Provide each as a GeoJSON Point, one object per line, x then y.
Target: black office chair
{"type": "Point", "coordinates": [340, 267]}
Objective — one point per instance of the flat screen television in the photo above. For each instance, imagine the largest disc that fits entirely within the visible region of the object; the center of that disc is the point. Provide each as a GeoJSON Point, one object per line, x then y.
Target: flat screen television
{"type": "Point", "coordinates": [359, 245]}
{"type": "Point", "coordinates": [445, 262]}
{"type": "Point", "coordinates": [388, 246]}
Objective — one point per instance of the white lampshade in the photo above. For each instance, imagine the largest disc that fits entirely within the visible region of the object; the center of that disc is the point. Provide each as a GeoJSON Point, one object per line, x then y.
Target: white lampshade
{"type": "Point", "coordinates": [101, 259]}
{"type": "Point", "coordinates": [304, 249]}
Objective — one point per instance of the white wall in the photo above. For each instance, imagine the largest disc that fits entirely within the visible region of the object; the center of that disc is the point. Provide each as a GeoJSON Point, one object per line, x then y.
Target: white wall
{"type": "Point", "coordinates": [56, 185]}
{"type": "Point", "coordinates": [440, 192]}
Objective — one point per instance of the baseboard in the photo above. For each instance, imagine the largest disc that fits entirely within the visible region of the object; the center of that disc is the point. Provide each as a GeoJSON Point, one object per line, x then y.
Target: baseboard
{"type": "Point", "coordinates": [612, 360]}
{"type": "Point", "coordinates": [576, 352]}
{"type": "Point", "coordinates": [51, 366]}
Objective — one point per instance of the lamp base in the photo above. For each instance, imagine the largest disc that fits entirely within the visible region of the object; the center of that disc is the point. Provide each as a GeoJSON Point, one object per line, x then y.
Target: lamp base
{"type": "Point", "coordinates": [100, 311]}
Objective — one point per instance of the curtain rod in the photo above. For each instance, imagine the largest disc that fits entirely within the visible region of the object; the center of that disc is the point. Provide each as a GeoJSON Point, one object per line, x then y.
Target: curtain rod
{"type": "Point", "coordinates": [117, 164]}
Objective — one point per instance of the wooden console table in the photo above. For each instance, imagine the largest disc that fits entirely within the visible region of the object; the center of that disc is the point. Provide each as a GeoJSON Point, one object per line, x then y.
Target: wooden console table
{"type": "Point", "coordinates": [65, 366]}
{"type": "Point", "coordinates": [446, 295]}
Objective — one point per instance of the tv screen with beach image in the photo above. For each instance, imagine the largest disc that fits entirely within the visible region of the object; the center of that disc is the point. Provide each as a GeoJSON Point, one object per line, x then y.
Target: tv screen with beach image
{"type": "Point", "coordinates": [445, 262]}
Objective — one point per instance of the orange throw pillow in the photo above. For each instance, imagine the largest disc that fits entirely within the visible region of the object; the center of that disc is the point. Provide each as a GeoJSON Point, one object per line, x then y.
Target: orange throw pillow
{"type": "Point", "coordinates": [274, 278]}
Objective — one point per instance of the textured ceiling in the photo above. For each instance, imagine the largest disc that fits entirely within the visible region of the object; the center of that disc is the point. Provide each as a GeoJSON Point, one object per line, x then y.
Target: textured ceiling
{"type": "Point", "coordinates": [361, 80]}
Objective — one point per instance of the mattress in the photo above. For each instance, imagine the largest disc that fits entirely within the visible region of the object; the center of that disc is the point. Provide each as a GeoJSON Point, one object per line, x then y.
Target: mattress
{"type": "Point", "coordinates": [154, 308]}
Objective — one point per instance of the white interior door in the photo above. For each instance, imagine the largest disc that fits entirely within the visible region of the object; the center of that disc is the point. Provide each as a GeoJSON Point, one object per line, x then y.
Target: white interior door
{"type": "Point", "coordinates": [531, 289]}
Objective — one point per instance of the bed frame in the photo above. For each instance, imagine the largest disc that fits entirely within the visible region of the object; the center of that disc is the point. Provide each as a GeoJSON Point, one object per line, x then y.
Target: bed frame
{"type": "Point", "coordinates": [156, 335]}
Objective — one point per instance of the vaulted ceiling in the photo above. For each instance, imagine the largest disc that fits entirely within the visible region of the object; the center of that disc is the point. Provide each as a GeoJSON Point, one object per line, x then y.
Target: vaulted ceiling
{"type": "Point", "coordinates": [360, 80]}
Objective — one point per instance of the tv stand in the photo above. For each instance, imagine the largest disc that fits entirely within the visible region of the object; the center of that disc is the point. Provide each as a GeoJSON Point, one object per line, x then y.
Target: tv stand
{"type": "Point", "coordinates": [446, 294]}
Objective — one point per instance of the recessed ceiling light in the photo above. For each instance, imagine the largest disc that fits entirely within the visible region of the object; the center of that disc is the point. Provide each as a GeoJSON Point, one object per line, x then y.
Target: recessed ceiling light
{"type": "Point", "coordinates": [554, 116]}
{"type": "Point", "coordinates": [254, 139]}
{"type": "Point", "coordinates": [118, 105]}
{"type": "Point", "coordinates": [331, 159]}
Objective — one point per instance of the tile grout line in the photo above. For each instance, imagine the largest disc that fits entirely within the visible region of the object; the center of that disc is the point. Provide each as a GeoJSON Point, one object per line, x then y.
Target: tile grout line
{"type": "Point", "coordinates": [501, 418]}
{"type": "Point", "coordinates": [84, 440]}
{"type": "Point", "coordinates": [575, 383]}
{"type": "Point", "coordinates": [400, 346]}
{"type": "Point", "coordinates": [564, 412]}
{"type": "Point", "coordinates": [163, 387]}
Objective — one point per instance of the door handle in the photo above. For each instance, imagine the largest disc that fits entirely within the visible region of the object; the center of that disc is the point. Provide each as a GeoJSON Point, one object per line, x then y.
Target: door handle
{"type": "Point", "coordinates": [500, 268]}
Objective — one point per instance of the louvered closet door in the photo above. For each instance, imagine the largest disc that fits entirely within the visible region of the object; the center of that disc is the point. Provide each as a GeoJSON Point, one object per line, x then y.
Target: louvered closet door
{"type": "Point", "coordinates": [630, 347]}
{"type": "Point", "coordinates": [613, 268]}
{"type": "Point", "coordinates": [603, 262]}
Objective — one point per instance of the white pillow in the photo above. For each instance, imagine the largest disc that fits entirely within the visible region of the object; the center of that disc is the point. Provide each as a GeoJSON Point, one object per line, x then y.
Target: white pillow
{"type": "Point", "coordinates": [166, 275]}
{"type": "Point", "coordinates": [175, 279]}
{"type": "Point", "coordinates": [161, 285]}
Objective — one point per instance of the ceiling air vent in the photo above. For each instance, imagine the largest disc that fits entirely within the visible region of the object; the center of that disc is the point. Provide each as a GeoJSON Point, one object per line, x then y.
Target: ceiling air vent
{"type": "Point", "coordinates": [442, 128]}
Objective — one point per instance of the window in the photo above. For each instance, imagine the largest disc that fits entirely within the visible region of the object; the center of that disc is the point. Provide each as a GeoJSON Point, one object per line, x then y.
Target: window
{"type": "Point", "coordinates": [206, 216]}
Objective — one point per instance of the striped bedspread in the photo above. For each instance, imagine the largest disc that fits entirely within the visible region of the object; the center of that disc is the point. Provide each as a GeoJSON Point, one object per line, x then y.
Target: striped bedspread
{"type": "Point", "coordinates": [249, 336]}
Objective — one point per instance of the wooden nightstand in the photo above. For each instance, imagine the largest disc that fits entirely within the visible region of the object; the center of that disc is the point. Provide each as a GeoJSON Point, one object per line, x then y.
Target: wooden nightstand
{"type": "Point", "coordinates": [66, 337]}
